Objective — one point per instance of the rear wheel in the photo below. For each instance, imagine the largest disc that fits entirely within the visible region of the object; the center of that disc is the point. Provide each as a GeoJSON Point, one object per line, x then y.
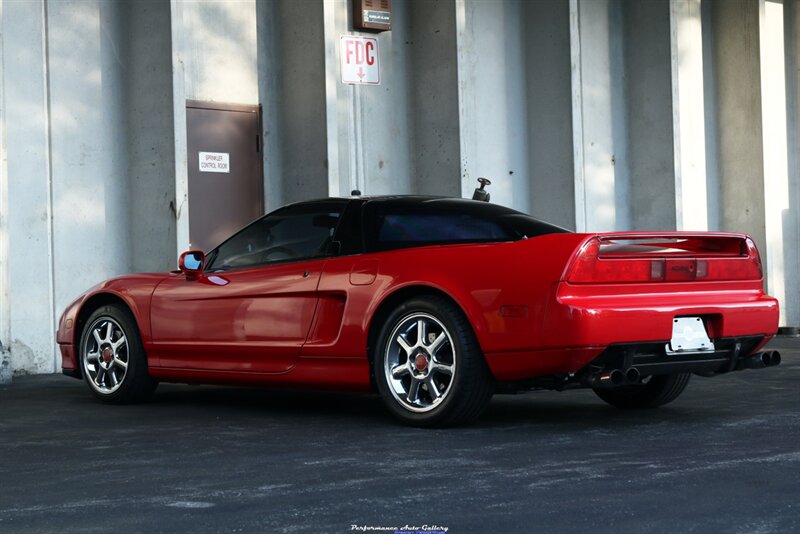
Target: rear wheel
{"type": "Point", "coordinates": [113, 361]}
{"type": "Point", "coordinates": [656, 391]}
{"type": "Point", "coordinates": [428, 366]}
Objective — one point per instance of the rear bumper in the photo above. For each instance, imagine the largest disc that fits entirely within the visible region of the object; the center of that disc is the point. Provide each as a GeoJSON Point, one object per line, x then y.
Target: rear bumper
{"type": "Point", "coordinates": [730, 354]}
{"type": "Point", "coordinates": [584, 322]}
{"type": "Point", "coordinates": [602, 316]}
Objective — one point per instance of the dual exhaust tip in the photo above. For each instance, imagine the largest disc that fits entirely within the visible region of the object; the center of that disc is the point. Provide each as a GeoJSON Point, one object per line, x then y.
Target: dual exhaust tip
{"type": "Point", "coordinates": [615, 377]}
{"type": "Point", "coordinates": [759, 360]}
{"type": "Point", "coordinates": [631, 375]}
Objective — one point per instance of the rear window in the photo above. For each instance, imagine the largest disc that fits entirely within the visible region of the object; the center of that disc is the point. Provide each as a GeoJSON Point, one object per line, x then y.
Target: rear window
{"type": "Point", "coordinates": [434, 227]}
{"type": "Point", "coordinates": [391, 225]}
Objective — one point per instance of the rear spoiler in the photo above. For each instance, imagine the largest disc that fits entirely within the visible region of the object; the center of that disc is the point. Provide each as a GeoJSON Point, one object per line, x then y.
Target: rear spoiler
{"type": "Point", "coordinates": [639, 257]}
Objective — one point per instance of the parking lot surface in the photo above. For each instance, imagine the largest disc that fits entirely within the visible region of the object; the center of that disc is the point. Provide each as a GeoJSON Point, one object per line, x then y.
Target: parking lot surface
{"type": "Point", "coordinates": [724, 457]}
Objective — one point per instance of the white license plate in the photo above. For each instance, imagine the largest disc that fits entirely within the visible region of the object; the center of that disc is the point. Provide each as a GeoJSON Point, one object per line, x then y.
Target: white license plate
{"type": "Point", "coordinates": [689, 335]}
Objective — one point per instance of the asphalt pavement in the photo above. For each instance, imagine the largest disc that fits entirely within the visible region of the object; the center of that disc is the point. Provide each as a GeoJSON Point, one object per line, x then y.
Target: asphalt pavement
{"type": "Point", "coordinates": [724, 457]}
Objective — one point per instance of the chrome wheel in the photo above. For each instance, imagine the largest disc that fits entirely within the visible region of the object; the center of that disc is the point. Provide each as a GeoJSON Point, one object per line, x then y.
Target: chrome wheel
{"type": "Point", "coordinates": [105, 355]}
{"type": "Point", "coordinates": [420, 362]}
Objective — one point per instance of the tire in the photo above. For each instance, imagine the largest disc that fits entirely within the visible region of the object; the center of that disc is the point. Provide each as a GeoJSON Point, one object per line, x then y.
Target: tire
{"type": "Point", "coordinates": [113, 361]}
{"type": "Point", "coordinates": [658, 391]}
{"type": "Point", "coordinates": [439, 378]}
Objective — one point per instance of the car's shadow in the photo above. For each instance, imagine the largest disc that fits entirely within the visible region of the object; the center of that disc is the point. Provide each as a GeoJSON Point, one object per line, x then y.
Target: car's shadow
{"type": "Point", "coordinates": [572, 409]}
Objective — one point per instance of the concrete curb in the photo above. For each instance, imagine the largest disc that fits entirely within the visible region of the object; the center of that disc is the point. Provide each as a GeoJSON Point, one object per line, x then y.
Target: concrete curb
{"type": "Point", "coordinates": [789, 331]}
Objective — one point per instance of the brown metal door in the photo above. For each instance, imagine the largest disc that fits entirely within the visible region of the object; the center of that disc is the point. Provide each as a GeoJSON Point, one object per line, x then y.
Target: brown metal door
{"type": "Point", "coordinates": [225, 177]}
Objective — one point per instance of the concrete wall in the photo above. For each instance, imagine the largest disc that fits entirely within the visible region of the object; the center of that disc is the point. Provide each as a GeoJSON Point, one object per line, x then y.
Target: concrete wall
{"type": "Point", "coordinates": [67, 189]}
{"type": "Point", "coordinates": [88, 140]}
{"type": "Point", "coordinates": [593, 114]}
{"type": "Point", "coordinates": [324, 137]}
{"type": "Point", "coordinates": [369, 127]}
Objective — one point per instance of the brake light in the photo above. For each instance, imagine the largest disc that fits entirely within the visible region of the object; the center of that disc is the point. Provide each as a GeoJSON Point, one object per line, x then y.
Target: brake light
{"type": "Point", "coordinates": [644, 260]}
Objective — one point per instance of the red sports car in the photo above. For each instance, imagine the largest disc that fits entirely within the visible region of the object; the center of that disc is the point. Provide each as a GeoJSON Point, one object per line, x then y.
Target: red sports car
{"type": "Point", "coordinates": [436, 303]}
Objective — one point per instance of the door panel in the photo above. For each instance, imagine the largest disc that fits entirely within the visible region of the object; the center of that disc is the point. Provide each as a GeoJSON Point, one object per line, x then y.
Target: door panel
{"type": "Point", "coordinates": [223, 196]}
{"type": "Point", "coordinates": [252, 320]}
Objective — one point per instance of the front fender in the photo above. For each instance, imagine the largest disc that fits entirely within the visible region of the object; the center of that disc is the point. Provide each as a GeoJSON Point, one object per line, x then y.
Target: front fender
{"type": "Point", "coordinates": [134, 291]}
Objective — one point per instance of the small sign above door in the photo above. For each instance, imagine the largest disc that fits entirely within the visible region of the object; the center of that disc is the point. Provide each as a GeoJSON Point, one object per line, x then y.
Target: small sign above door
{"type": "Point", "coordinates": [215, 162]}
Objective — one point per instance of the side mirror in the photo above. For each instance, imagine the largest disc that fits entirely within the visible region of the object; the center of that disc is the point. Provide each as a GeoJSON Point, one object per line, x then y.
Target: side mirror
{"type": "Point", "coordinates": [191, 263]}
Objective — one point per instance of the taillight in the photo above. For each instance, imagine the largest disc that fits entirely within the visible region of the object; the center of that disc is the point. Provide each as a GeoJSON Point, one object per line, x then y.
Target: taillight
{"type": "Point", "coordinates": [676, 264]}
{"type": "Point", "coordinates": [589, 268]}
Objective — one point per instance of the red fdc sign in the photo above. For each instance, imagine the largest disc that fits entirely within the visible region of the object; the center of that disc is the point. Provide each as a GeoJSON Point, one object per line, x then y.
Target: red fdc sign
{"type": "Point", "coordinates": [360, 61]}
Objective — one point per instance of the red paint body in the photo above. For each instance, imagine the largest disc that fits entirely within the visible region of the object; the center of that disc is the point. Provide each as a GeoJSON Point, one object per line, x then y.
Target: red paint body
{"type": "Point", "coordinates": [307, 323]}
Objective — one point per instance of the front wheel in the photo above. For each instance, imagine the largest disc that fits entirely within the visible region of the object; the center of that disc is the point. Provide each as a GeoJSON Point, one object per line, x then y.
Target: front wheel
{"type": "Point", "coordinates": [428, 366]}
{"type": "Point", "coordinates": [113, 361]}
{"type": "Point", "coordinates": [657, 391]}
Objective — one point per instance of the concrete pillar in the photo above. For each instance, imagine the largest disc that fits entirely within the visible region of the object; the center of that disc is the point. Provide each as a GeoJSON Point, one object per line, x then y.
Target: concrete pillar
{"type": "Point", "coordinates": [549, 104]}
{"type": "Point", "coordinates": [343, 173]}
{"type": "Point", "coordinates": [5, 304]}
{"type": "Point", "coordinates": [649, 114]}
{"type": "Point", "coordinates": [150, 132]}
{"type": "Point", "coordinates": [776, 172]}
{"type": "Point", "coordinates": [688, 115]}
{"type": "Point", "coordinates": [178, 37]}
{"type": "Point", "coordinates": [493, 100]}
{"type": "Point", "coordinates": [740, 159]}
{"type": "Point", "coordinates": [433, 98]}
{"type": "Point", "coordinates": [292, 80]}
{"type": "Point", "coordinates": [780, 215]}
{"type": "Point", "coordinates": [28, 212]}
{"type": "Point", "coordinates": [599, 116]}
{"type": "Point", "coordinates": [710, 123]}
{"type": "Point", "coordinates": [791, 218]}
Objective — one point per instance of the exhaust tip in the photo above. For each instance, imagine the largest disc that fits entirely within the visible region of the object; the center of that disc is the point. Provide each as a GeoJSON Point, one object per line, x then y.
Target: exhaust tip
{"type": "Point", "coordinates": [774, 358]}
{"type": "Point", "coordinates": [632, 375]}
{"type": "Point", "coordinates": [617, 377]}
{"type": "Point", "coordinates": [611, 378]}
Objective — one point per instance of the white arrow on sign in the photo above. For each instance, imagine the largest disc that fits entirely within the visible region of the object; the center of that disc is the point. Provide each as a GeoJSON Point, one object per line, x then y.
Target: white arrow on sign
{"type": "Point", "coordinates": [360, 60]}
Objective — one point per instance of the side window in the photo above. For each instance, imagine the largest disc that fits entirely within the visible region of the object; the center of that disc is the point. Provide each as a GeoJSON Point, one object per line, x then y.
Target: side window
{"type": "Point", "coordinates": [290, 234]}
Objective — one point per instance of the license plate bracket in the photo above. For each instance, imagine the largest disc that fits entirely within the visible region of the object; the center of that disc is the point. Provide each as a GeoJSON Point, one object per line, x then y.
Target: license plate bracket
{"type": "Point", "coordinates": [689, 335]}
